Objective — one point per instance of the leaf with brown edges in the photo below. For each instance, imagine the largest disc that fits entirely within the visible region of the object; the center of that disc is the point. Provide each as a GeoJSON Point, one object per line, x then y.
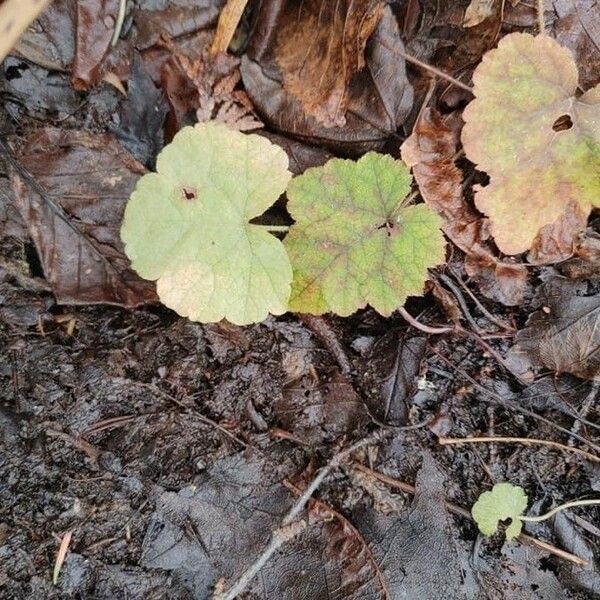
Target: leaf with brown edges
{"type": "Point", "coordinates": [537, 140]}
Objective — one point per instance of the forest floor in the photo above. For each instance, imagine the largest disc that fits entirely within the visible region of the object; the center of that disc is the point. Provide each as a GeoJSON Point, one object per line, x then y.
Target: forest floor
{"type": "Point", "coordinates": [167, 452]}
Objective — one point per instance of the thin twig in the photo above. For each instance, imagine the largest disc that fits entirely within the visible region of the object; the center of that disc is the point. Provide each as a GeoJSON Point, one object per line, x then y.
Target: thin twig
{"type": "Point", "coordinates": [198, 415]}
{"type": "Point", "coordinates": [461, 301]}
{"type": "Point", "coordinates": [119, 22]}
{"type": "Point", "coordinates": [459, 331]}
{"type": "Point", "coordinates": [463, 512]}
{"type": "Point", "coordinates": [278, 537]}
{"type": "Point", "coordinates": [540, 16]}
{"type": "Point", "coordinates": [515, 405]}
{"type": "Point", "coordinates": [110, 423]}
{"type": "Point", "coordinates": [423, 65]}
{"type": "Point", "coordinates": [444, 441]}
{"type": "Point", "coordinates": [497, 356]}
{"type": "Point", "coordinates": [320, 327]}
{"type": "Point", "coordinates": [486, 313]}
{"type": "Point", "coordinates": [424, 328]}
{"type": "Point", "coordinates": [588, 402]}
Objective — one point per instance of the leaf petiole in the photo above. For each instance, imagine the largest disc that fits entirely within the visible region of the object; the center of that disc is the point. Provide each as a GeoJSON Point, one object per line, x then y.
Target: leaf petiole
{"type": "Point", "coordinates": [275, 228]}
{"type": "Point", "coordinates": [564, 506]}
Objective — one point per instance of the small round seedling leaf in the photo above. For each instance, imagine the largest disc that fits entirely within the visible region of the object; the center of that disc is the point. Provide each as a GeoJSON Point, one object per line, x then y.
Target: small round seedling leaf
{"type": "Point", "coordinates": [538, 141]}
{"type": "Point", "coordinates": [354, 241]}
{"type": "Point", "coordinates": [504, 501]}
{"type": "Point", "coordinates": [187, 226]}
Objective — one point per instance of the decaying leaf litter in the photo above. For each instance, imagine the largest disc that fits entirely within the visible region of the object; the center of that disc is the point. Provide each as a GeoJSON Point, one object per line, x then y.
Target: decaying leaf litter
{"type": "Point", "coordinates": [167, 453]}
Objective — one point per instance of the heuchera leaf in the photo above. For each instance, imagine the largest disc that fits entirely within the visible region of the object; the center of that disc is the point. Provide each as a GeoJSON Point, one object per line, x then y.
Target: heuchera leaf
{"type": "Point", "coordinates": [518, 129]}
{"type": "Point", "coordinates": [354, 241]}
{"type": "Point", "coordinates": [504, 501]}
{"type": "Point", "coordinates": [187, 226]}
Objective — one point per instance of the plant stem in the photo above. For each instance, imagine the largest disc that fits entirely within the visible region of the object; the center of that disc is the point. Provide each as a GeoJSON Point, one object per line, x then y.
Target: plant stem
{"type": "Point", "coordinates": [275, 228]}
{"type": "Point", "coordinates": [424, 328]}
{"type": "Point", "coordinates": [560, 507]}
{"type": "Point", "coordinates": [540, 16]}
{"type": "Point", "coordinates": [119, 22]}
{"type": "Point", "coordinates": [444, 441]}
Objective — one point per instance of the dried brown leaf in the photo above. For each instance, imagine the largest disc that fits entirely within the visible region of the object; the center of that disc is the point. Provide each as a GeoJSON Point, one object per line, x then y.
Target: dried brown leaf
{"type": "Point", "coordinates": [321, 49]}
{"type": "Point", "coordinates": [556, 240]}
{"type": "Point", "coordinates": [95, 27]}
{"type": "Point", "coordinates": [578, 28]}
{"type": "Point", "coordinates": [478, 11]}
{"type": "Point", "coordinates": [564, 334]}
{"type": "Point", "coordinates": [73, 209]}
{"type": "Point", "coordinates": [430, 151]}
{"type": "Point", "coordinates": [210, 82]}
{"type": "Point", "coordinates": [536, 138]}
{"type": "Point", "coordinates": [371, 104]}
{"type": "Point", "coordinates": [231, 516]}
{"type": "Point", "coordinates": [388, 375]}
{"type": "Point", "coordinates": [585, 262]}
{"type": "Point", "coordinates": [320, 411]}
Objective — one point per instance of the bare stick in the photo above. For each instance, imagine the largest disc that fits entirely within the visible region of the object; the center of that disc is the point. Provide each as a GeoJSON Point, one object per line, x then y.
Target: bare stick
{"type": "Point", "coordinates": [320, 327]}
{"type": "Point", "coordinates": [463, 512]}
{"type": "Point", "coordinates": [516, 440]}
{"type": "Point", "coordinates": [585, 408]}
{"type": "Point", "coordinates": [424, 328]}
{"type": "Point", "coordinates": [540, 16]}
{"type": "Point", "coordinates": [119, 22]}
{"type": "Point", "coordinates": [289, 524]}
{"type": "Point", "coordinates": [511, 404]}
{"type": "Point", "coordinates": [411, 59]}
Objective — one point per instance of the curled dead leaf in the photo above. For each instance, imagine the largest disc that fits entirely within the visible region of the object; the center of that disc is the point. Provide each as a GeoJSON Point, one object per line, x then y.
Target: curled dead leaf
{"type": "Point", "coordinates": [430, 151]}
{"type": "Point", "coordinates": [478, 11]}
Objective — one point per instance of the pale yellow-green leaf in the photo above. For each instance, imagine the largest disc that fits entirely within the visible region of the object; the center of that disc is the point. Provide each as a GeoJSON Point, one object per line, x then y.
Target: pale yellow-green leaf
{"type": "Point", "coordinates": [504, 501]}
{"type": "Point", "coordinates": [187, 226]}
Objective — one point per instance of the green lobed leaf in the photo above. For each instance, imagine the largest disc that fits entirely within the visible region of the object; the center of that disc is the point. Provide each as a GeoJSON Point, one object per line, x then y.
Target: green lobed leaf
{"type": "Point", "coordinates": [504, 501]}
{"type": "Point", "coordinates": [354, 241]}
{"type": "Point", "coordinates": [187, 226]}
